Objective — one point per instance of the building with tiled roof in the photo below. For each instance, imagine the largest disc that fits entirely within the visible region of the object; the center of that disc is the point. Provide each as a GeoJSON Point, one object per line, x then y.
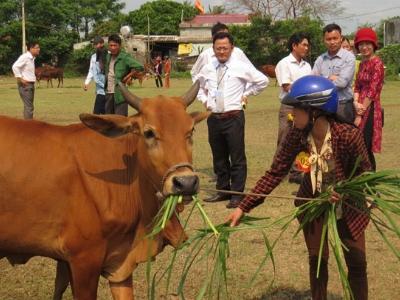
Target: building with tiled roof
{"type": "Point", "coordinates": [195, 35]}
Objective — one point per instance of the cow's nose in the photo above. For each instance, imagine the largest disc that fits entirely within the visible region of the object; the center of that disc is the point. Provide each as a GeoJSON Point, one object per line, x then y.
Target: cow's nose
{"type": "Point", "coordinates": [185, 185]}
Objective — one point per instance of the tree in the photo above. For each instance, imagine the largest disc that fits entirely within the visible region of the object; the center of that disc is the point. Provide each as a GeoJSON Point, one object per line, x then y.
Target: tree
{"type": "Point", "coordinates": [289, 9]}
{"type": "Point", "coordinates": [216, 9]}
{"type": "Point", "coordinates": [265, 41]}
{"type": "Point", "coordinates": [84, 14]}
{"type": "Point", "coordinates": [56, 24]}
{"type": "Point", "coordinates": [255, 39]}
{"type": "Point", "coordinates": [105, 28]}
{"type": "Point", "coordinates": [10, 34]}
{"type": "Point", "coordinates": [164, 15]}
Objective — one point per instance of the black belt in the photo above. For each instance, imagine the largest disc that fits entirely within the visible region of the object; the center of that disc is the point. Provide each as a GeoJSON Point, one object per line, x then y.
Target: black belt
{"type": "Point", "coordinates": [226, 115]}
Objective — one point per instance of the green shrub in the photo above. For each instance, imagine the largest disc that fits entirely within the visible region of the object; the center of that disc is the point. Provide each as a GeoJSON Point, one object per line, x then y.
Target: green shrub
{"type": "Point", "coordinates": [391, 58]}
{"type": "Point", "coordinates": [180, 74]}
{"type": "Point", "coordinates": [78, 62]}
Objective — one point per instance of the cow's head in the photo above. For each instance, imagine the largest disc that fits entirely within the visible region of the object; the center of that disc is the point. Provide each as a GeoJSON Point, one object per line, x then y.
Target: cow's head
{"type": "Point", "coordinates": [164, 131]}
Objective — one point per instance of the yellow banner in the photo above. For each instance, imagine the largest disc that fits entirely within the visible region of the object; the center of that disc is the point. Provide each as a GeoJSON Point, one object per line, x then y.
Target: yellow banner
{"type": "Point", "coordinates": [185, 49]}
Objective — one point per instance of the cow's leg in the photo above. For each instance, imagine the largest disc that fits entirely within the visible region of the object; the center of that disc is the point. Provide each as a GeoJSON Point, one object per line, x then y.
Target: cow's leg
{"type": "Point", "coordinates": [122, 290]}
{"type": "Point", "coordinates": [62, 279]}
{"type": "Point", "coordinates": [85, 273]}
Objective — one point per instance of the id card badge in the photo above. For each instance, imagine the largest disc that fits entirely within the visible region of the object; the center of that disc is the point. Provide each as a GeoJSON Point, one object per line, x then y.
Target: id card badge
{"type": "Point", "coordinates": [214, 94]}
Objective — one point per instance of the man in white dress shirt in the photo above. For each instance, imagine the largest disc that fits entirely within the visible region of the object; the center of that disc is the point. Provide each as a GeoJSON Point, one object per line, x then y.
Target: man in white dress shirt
{"type": "Point", "coordinates": [208, 55]}
{"type": "Point", "coordinates": [225, 84]}
{"type": "Point", "coordinates": [288, 70]}
{"type": "Point", "coordinates": [24, 71]}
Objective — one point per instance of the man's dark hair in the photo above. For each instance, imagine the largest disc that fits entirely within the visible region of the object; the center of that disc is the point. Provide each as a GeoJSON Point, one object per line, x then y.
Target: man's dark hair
{"type": "Point", "coordinates": [31, 44]}
{"type": "Point", "coordinates": [115, 38]}
{"type": "Point", "coordinates": [345, 39]}
{"type": "Point", "coordinates": [97, 40]}
{"type": "Point", "coordinates": [332, 27]}
{"type": "Point", "coordinates": [101, 54]}
{"type": "Point", "coordinates": [296, 39]}
{"type": "Point", "coordinates": [222, 35]}
{"type": "Point", "coordinates": [218, 27]}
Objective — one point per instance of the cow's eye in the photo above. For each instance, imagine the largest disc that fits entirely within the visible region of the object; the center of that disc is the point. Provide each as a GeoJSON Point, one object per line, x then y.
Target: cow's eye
{"type": "Point", "coordinates": [189, 136]}
{"type": "Point", "coordinates": [149, 134]}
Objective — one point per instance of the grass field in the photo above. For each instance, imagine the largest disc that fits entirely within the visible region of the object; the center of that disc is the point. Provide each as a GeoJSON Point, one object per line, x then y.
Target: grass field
{"type": "Point", "coordinates": [62, 106]}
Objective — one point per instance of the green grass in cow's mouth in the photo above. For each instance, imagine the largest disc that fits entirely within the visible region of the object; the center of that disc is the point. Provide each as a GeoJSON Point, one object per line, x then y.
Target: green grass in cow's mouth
{"type": "Point", "coordinates": [209, 246]}
{"type": "Point", "coordinates": [376, 194]}
{"type": "Point", "coordinates": [165, 213]}
{"type": "Point", "coordinates": [168, 209]}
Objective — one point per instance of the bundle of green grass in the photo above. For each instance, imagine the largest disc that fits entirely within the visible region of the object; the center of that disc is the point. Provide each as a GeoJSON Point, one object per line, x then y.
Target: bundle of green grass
{"type": "Point", "coordinates": [208, 245]}
{"type": "Point", "coordinates": [374, 194]}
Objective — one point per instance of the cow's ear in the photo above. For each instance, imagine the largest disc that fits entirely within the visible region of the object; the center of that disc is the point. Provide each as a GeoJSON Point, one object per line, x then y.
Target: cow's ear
{"type": "Point", "coordinates": [108, 125]}
{"type": "Point", "coordinates": [200, 116]}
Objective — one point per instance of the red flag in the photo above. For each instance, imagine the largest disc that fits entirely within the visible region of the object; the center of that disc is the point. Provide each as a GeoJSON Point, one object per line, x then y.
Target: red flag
{"type": "Point", "coordinates": [197, 4]}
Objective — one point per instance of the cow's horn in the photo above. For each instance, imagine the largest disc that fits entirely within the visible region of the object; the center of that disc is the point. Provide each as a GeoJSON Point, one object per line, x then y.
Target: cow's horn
{"type": "Point", "coordinates": [191, 94]}
{"type": "Point", "coordinates": [130, 98]}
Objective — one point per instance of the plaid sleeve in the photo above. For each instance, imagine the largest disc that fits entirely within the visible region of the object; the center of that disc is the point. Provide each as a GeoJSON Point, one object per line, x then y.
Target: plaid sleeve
{"type": "Point", "coordinates": [358, 150]}
{"type": "Point", "coordinates": [355, 220]}
{"type": "Point", "coordinates": [292, 145]}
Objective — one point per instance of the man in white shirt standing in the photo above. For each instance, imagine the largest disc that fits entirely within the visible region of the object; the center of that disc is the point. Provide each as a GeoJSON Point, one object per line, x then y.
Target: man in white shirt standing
{"type": "Point", "coordinates": [288, 70]}
{"type": "Point", "coordinates": [24, 71]}
{"type": "Point", "coordinates": [225, 84]}
{"type": "Point", "coordinates": [208, 55]}
{"type": "Point", "coordinates": [96, 68]}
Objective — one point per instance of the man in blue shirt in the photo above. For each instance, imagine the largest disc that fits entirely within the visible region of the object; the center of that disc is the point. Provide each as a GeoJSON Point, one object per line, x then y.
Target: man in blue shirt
{"type": "Point", "coordinates": [338, 65]}
{"type": "Point", "coordinates": [96, 72]}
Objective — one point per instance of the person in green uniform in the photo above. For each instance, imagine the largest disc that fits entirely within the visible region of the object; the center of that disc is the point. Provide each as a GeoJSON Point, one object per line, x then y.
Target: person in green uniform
{"type": "Point", "coordinates": [119, 68]}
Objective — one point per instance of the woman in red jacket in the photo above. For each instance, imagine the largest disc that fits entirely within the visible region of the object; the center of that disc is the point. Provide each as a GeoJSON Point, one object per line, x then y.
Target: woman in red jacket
{"type": "Point", "coordinates": [367, 92]}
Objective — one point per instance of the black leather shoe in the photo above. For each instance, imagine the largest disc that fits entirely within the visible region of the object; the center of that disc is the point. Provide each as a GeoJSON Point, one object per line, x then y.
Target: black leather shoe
{"type": "Point", "coordinates": [233, 203]}
{"type": "Point", "coordinates": [218, 198]}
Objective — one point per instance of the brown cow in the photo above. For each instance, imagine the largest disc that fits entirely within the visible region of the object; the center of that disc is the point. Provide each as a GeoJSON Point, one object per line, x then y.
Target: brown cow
{"type": "Point", "coordinates": [47, 73]}
{"type": "Point", "coordinates": [139, 75]}
{"type": "Point", "coordinates": [269, 70]}
{"type": "Point", "coordinates": [93, 209]}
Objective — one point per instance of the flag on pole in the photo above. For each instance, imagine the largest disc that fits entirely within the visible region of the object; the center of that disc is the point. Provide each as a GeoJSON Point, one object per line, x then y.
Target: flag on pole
{"type": "Point", "coordinates": [197, 4]}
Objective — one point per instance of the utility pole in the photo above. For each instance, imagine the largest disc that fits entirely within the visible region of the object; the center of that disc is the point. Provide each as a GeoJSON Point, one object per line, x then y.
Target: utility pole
{"type": "Point", "coordinates": [23, 27]}
{"type": "Point", "coordinates": [148, 40]}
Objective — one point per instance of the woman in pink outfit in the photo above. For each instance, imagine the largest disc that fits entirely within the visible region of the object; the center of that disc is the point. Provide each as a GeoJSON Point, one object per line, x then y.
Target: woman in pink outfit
{"type": "Point", "coordinates": [367, 92]}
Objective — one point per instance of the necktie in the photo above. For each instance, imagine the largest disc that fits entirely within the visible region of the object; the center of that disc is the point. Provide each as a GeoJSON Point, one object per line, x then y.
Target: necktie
{"type": "Point", "coordinates": [220, 88]}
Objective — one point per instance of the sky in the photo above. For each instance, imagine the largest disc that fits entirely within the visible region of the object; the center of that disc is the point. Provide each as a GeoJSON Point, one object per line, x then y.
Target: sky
{"type": "Point", "coordinates": [357, 12]}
